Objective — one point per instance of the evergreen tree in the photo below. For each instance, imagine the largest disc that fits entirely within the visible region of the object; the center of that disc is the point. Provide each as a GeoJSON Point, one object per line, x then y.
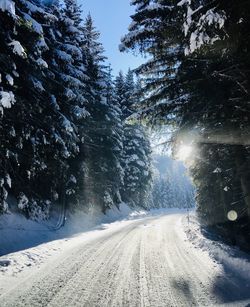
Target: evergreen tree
{"type": "Point", "coordinates": [171, 186]}
{"type": "Point", "coordinates": [137, 166]}
{"type": "Point", "coordinates": [136, 150]}
{"type": "Point", "coordinates": [7, 98]}
{"type": "Point", "coordinates": [156, 31]}
{"type": "Point", "coordinates": [120, 91]}
{"type": "Point", "coordinates": [48, 76]}
{"type": "Point", "coordinates": [63, 122]}
{"type": "Point", "coordinates": [103, 130]}
{"type": "Point", "coordinates": [24, 151]}
{"type": "Point", "coordinates": [197, 80]}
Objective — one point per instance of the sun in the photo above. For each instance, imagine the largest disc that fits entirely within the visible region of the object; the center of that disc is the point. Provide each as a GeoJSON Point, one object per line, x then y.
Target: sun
{"type": "Point", "coordinates": [184, 152]}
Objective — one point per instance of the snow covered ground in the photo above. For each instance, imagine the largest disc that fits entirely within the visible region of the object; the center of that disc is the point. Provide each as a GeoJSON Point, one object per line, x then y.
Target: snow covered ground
{"type": "Point", "coordinates": [25, 243]}
{"type": "Point", "coordinates": [127, 258]}
{"type": "Point", "coordinates": [231, 258]}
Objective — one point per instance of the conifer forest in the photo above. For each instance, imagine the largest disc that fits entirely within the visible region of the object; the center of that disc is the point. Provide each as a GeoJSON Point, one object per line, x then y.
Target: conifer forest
{"type": "Point", "coordinates": [81, 140]}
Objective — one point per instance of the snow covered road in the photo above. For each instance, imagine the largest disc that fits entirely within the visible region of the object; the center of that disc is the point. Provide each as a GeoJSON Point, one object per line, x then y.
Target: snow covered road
{"type": "Point", "coordinates": [145, 262]}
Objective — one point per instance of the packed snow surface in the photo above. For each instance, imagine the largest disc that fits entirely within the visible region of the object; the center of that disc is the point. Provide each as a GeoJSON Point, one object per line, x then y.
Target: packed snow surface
{"type": "Point", "coordinates": [142, 259]}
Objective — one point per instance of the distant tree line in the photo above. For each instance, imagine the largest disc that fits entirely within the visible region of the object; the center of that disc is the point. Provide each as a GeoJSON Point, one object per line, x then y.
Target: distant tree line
{"type": "Point", "coordinates": [196, 79]}
{"type": "Point", "coordinates": [64, 126]}
{"type": "Point", "coordinates": [171, 186]}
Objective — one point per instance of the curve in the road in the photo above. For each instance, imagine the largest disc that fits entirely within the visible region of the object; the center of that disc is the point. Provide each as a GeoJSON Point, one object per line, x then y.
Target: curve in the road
{"type": "Point", "coordinates": [147, 263]}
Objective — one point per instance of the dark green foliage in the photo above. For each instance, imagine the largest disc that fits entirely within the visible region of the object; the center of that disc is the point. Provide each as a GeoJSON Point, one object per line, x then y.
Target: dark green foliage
{"type": "Point", "coordinates": [61, 124]}
{"type": "Point", "coordinates": [137, 166]}
{"type": "Point", "coordinates": [136, 161]}
{"type": "Point", "coordinates": [103, 129]}
{"type": "Point", "coordinates": [197, 81]}
{"type": "Point", "coordinates": [25, 130]}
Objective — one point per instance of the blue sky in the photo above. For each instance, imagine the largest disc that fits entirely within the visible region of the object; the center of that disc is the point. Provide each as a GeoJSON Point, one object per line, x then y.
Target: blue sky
{"type": "Point", "coordinates": [112, 19]}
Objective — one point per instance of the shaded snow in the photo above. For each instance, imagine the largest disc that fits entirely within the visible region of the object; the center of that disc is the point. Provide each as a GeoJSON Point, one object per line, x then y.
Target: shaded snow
{"type": "Point", "coordinates": [7, 6]}
{"type": "Point", "coordinates": [7, 99]}
{"type": "Point", "coordinates": [42, 63]}
{"type": "Point", "coordinates": [18, 49]}
{"type": "Point", "coordinates": [37, 9]}
{"type": "Point", "coordinates": [35, 25]}
{"type": "Point", "coordinates": [197, 29]}
{"type": "Point", "coordinates": [10, 80]}
{"type": "Point", "coordinates": [150, 258]}
{"type": "Point", "coordinates": [8, 180]}
{"type": "Point", "coordinates": [26, 243]}
{"type": "Point", "coordinates": [233, 260]}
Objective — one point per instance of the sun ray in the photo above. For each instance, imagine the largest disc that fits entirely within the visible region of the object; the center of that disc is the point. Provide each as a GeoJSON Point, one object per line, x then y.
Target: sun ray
{"type": "Point", "coordinates": [184, 152]}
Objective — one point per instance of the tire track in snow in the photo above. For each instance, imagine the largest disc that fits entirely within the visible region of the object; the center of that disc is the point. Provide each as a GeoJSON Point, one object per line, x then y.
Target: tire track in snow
{"type": "Point", "coordinates": [143, 280]}
{"type": "Point", "coordinates": [146, 263]}
{"type": "Point", "coordinates": [46, 287]}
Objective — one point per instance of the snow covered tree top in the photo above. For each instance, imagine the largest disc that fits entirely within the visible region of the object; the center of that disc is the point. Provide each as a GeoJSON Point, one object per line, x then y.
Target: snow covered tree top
{"type": "Point", "coordinates": [7, 6]}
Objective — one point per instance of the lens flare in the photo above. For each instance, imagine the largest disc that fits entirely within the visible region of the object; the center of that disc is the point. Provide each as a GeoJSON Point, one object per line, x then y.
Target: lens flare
{"type": "Point", "coordinates": [232, 215]}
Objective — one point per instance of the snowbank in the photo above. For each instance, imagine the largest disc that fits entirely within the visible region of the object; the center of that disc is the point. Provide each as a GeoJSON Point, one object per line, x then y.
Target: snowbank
{"type": "Point", "coordinates": [17, 233]}
{"type": "Point", "coordinates": [231, 258]}
{"type": "Point", "coordinates": [25, 243]}
{"type": "Point", "coordinates": [80, 221]}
